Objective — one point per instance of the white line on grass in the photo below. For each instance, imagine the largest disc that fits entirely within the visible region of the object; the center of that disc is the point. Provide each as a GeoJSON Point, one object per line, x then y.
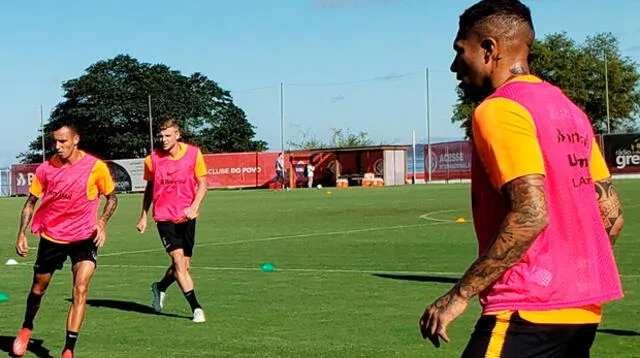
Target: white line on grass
{"type": "Point", "coordinates": [318, 270]}
{"type": "Point", "coordinates": [305, 270]}
{"type": "Point", "coordinates": [283, 237]}
{"type": "Point", "coordinates": [309, 270]}
{"type": "Point", "coordinates": [429, 216]}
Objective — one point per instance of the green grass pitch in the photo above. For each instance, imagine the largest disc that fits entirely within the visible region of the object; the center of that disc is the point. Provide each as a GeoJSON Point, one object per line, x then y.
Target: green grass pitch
{"type": "Point", "coordinates": [354, 271]}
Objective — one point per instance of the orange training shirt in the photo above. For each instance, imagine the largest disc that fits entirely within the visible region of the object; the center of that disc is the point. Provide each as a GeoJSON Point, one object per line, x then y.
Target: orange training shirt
{"type": "Point", "coordinates": [502, 126]}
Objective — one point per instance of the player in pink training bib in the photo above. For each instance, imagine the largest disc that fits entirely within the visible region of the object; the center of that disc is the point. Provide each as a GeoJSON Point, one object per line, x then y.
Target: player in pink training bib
{"type": "Point", "coordinates": [70, 184]}
{"type": "Point", "coordinates": [545, 217]}
{"type": "Point", "coordinates": [176, 185]}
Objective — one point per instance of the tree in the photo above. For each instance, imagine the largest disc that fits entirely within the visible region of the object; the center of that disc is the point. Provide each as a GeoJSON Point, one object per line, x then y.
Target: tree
{"type": "Point", "coordinates": [340, 138]}
{"type": "Point", "coordinates": [579, 70]}
{"type": "Point", "coordinates": [109, 104]}
{"type": "Point", "coordinates": [228, 132]}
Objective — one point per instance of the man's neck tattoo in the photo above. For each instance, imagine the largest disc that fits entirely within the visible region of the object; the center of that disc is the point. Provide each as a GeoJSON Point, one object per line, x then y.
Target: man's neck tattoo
{"type": "Point", "coordinates": [519, 71]}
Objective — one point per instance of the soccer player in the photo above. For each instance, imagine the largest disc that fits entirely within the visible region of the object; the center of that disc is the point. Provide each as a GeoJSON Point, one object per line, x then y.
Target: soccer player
{"type": "Point", "coordinates": [177, 185]}
{"type": "Point", "coordinates": [70, 184]}
{"type": "Point", "coordinates": [546, 214]}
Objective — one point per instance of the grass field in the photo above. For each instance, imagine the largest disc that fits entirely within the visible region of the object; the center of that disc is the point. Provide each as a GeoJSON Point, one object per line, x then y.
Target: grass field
{"type": "Point", "coordinates": [355, 270]}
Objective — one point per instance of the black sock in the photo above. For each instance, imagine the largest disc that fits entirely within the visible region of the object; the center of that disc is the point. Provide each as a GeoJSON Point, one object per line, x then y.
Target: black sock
{"type": "Point", "coordinates": [33, 304]}
{"type": "Point", "coordinates": [70, 342]}
{"type": "Point", "coordinates": [191, 298]}
{"type": "Point", "coordinates": [166, 282]}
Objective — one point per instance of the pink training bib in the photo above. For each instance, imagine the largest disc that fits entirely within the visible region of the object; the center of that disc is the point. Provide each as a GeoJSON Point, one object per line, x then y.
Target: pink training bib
{"type": "Point", "coordinates": [66, 213]}
{"type": "Point", "coordinates": [174, 184]}
{"type": "Point", "coordinates": [571, 263]}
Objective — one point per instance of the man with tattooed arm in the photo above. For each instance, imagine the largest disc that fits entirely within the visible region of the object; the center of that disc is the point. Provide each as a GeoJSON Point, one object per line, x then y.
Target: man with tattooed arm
{"type": "Point", "coordinates": [70, 184]}
{"type": "Point", "coordinates": [545, 211]}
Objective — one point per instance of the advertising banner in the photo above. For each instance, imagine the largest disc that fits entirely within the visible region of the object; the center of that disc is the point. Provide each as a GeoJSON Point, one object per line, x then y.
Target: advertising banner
{"type": "Point", "coordinates": [450, 160]}
{"type": "Point", "coordinates": [622, 153]}
{"type": "Point", "coordinates": [127, 175]}
{"type": "Point", "coordinates": [254, 169]}
{"type": "Point", "coordinates": [21, 177]}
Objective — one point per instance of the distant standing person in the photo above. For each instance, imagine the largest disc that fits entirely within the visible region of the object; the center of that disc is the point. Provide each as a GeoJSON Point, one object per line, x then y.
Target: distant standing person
{"type": "Point", "coordinates": [176, 185]}
{"type": "Point", "coordinates": [310, 169]}
{"type": "Point", "coordinates": [280, 175]}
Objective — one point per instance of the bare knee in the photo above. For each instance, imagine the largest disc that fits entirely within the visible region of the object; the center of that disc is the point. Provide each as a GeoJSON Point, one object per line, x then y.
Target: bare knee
{"type": "Point", "coordinates": [180, 268]}
{"type": "Point", "coordinates": [180, 264]}
{"type": "Point", "coordinates": [80, 291]}
{"type": "Point", "coordinates": [37, 291]}
{"type": "Point", "coordinates": [40, 284]}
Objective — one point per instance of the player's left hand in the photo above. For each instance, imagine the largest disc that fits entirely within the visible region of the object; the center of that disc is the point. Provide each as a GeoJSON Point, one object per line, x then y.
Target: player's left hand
{"type": "Point", "coordinates": [191, 212]}
{"type": "Point", "coordinates": [438, 315]}
{"type": "Point", "coordinates": [101, 234]}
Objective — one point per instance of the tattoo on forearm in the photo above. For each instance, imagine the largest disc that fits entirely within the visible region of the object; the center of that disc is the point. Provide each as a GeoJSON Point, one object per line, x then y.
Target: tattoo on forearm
{"type": "Point", "coordinates": [109, 207]}
{"type": "Point", "coordinates": [27, 212]}
{"type": "Point", "coordinates": [523, 224]}
{"type": "Point", "coordinates": [610, 208]}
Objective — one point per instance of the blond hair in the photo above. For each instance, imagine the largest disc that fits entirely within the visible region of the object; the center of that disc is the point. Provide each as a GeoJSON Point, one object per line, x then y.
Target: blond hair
{"type": "Point", "coordinates": [168, 123]}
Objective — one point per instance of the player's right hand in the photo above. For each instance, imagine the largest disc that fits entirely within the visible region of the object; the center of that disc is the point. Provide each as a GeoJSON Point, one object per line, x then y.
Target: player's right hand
{"type": "Point", "coordinates": [22, 245]}
{"type": "Point", "coordinates": [142, 225]}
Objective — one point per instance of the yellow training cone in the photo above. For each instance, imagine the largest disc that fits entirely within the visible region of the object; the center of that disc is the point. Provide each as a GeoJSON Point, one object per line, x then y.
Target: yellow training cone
{"type": "Point", "coordinates": [461, 220]}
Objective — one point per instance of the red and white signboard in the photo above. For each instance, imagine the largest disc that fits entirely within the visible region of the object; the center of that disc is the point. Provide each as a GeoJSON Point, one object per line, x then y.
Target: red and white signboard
{"type": "Point", "coordinates": [21, 177]}
{"type": "Point", "coordinates": [240, 169]}
{"type": "Point", "coordinates": [450, 160]}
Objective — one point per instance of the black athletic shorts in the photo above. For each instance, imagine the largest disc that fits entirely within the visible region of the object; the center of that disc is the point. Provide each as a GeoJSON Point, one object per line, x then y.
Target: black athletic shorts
{"type": "Point", "coordinates": [511, 337]}
{"type": "Point", "coordinates": [52, 255]}
{"type": "Point", "coordinates": [178, 236]}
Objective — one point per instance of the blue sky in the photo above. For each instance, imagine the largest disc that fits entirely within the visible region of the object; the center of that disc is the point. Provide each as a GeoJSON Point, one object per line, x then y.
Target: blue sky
{"type": "Point", "coordinates": [353, 64]}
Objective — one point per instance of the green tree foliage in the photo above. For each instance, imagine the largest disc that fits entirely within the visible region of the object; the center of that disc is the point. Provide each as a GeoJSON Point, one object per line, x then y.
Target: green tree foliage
{"type": "Point", "coordinates": [579, 70]}
{"type": "Point", "coordinates": [109, 104]}
{"type": "Point", "coordinates": [340, 138]}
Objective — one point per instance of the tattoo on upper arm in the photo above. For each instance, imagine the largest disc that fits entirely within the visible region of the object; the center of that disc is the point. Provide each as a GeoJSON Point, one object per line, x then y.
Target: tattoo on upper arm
{"type": "Point", "coordinates": [610, 208]}
{"type": "Point", "coordinates": [522, 225]}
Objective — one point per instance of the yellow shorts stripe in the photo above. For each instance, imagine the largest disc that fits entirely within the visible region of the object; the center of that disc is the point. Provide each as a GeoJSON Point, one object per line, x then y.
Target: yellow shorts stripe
{"type": "Point", "coordinates": [498, 335]}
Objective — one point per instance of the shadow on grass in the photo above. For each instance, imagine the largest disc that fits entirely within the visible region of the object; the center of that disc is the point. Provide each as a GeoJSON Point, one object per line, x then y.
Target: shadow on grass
{"type": "Point", "coordinates": [619, 332]}
{"type": "Point", "coordinates": [35, 347]}
{"type": "Point", "coordinates": [418, 278]}
{"type": "Point", "coordinates": [128, 306]}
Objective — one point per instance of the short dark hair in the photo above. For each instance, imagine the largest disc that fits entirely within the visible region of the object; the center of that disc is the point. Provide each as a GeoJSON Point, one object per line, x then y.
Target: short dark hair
{"type": "Point", "coordinates": [59, 123]}
{"type": "Point", "coordinates": [507, 20]}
